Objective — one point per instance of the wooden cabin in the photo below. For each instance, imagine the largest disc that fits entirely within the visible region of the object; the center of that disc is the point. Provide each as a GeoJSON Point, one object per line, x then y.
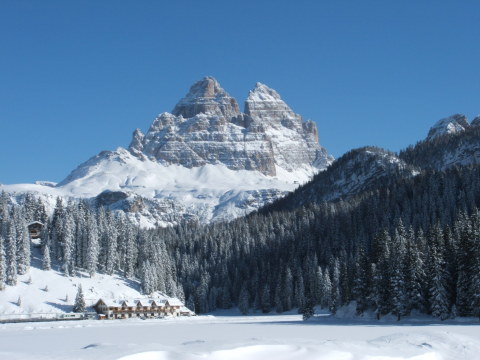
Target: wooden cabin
{"type": "Point", "coordinates": [140, 308]}
{"type": "Point", "coordinates": [35, 229]}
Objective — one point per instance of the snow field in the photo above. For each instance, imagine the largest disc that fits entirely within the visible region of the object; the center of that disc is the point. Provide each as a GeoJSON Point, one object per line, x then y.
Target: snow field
{"type": "Point", "coordinates": [50, 292]}
{"type": "Point", "coordinates": [275, 337]}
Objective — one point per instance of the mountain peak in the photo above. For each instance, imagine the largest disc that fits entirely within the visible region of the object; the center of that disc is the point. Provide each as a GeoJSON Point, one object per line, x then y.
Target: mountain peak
{"type": "Point", "coordinates": [262, 102]}
{"type": "Point", "coordinates": [475, 121]}
{"type": "Point", "coordinates": [208, 97]}
{"type": "Point", "coordinates": [208, 87]}
{"type": "Point", "coordinates": [450, 125]}
{"type": "Point", "coordinates": [262, 92]}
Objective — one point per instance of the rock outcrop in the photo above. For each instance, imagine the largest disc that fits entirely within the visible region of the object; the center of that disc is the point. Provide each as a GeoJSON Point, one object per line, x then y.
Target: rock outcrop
{"type": "Point", "coordinates": [450, 125]}
{"type": "Point", "coordinates": [206, 127]}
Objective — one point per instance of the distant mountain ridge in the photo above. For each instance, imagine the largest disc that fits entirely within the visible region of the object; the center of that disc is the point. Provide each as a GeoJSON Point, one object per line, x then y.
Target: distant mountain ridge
{"type": "Point", "coordinates": [451, 142]}
{"type": "Point", "coordinates": [207, 161]}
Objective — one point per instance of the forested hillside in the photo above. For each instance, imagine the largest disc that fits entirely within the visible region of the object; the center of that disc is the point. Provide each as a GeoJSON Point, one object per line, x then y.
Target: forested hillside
{"type": "Point", "coordinates": [404, 240]}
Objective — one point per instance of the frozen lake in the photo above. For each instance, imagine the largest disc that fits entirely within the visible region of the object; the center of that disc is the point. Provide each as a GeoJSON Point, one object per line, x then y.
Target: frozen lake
{"type": "Point", "coordinates": [239, 337]}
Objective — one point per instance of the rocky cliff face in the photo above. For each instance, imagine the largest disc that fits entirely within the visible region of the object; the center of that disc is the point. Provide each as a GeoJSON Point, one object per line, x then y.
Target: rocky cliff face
{"type": "Point", "coordinates": [207, 127]}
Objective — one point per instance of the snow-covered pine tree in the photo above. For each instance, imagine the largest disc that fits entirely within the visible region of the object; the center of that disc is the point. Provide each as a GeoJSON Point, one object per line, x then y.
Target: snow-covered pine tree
{"type": "Point", "coordinates": [361, 288]}
{"type": "Point", "coordinates": [439, 304]}
{"type": "Point", "coordinates": [317, 293]}
{"type": "Point", "coordinates": [69, 245]}
{"type": "Point", "coordinates": [381, 277]}
{"type": "Point", "coordinates": [475, 253]}
{"type": "Point", "coordinates": [464, 234]}
{"type": "Point", "coordinates": [92, 245]}
{"type": "Point", "coordinates": [414, 276]}
{"type": "Point", "coordinates": [326, 290]}
{"type": "Point", "coordinates": [3, 269]}
{"type": "Point", "coordinates": [79, 305]}
{"type": "Point", "coordinates": [288, 294]}
{"type": "Point", "coordinates": [46, 262]}
{"type": "Point", "coordinates": [23, 243]}
{"type": "Point", "coordinates": [11, 255]}
{"type": "Point", "coordinates": [56, 245]}
{"type": "Point", "coordinates": [397, 274]}
{"type": "Point", "coordinates": [147, 277]}
{"type": "Point", "coordinates": [111, 235]}
{"type": "Point", "coordinates": [335, 299]}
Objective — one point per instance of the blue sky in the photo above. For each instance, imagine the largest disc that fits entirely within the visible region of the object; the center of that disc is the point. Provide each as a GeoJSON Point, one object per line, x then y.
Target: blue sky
{"type": "Point", "coordinates": [77, 77]}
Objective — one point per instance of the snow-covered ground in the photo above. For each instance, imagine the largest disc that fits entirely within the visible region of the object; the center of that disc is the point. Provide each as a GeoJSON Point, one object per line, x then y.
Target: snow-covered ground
{"type": "Point", "coordinates": [47, 293]}
{"type": "Point", "coordinates": [224, 335]}
{"type": "Point", "coordinates": [239, 337]}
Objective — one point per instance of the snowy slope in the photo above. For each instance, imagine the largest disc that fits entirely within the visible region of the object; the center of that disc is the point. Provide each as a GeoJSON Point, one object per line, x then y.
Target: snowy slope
{"type": "Point", "coordinates": [154, 193]}
{"type": "Point", "coordinates": [50, 292]}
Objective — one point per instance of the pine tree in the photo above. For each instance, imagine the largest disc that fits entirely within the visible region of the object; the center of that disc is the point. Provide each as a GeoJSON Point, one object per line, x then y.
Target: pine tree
{"type": "Point", "coordinates": [464, 234]}
{"type": "Point", "coordinates": [79, 305]}
{"type": "Point", "coordinates": [111, 235]}
{"type": "Point", "coordinates": [288, 295]}
{"type": "Point", "coordinates": [361, 289]}
{"type": "Point", "coordinates": [397, 274]}
{"type": "Point", "coordinates": [69, 245]}
{"type": "Point", "coordinates": [335, 299]}
{"type": "Point", "coordinates": [439, 305]}
{"type": "Point", "coordinates": [190, 304]}
{"type": "Point", "coordinates": [92, 246]}
{"type": "Point", "coordinates": [382, 275]}
{"type": "Point", "coordinates": [266, 304]}
{"type": "Point", "coordinates": [326, 290]}
{"type": "Point", "coordinates": [278, 297]}
{"type": "Point", "coordinates": [46, 263]}
{"type": "Point", "coordinates": [243, 300]}
{"type": "Point", "coordinates": [307, 309]}
{"type": "Point", "coordinates": [11, 256]}
{"type": "Point", "coordinates": [147, 277]}
{"type": "Point", "coordinates": [23, 243]}
{"type": "Point", "coordinates": [414, 275]}
{"type": "Point", "coordinates": [3, 274]}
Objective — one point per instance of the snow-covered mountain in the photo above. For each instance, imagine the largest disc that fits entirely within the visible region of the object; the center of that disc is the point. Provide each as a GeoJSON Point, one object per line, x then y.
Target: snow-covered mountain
{"type": "Point", "coordinates": [357, 171]}
{"type": "Point", "coordinates": [450, 125]}
{"type": "Point", "coordinates": [452, 141]}
{"type": "Point", "coordinates": [206, 161]}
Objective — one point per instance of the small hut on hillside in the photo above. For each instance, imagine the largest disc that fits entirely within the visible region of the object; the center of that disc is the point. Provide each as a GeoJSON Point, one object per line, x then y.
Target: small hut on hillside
{"type": "Point", "coordinates": [35, 229]}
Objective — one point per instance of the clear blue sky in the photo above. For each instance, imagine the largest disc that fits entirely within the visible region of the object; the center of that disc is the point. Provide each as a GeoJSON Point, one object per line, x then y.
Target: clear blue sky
{"type": "Point", "coordinates": [77, 77]}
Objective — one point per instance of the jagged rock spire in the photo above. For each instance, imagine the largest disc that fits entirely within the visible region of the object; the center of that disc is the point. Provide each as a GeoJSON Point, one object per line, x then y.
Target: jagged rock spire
{"type": "Point", "coordinates": [206, 127]}
{"type": "Point", "coordinates": [208, 97]}
{"type": "Point", "coordinates": [262, 101]}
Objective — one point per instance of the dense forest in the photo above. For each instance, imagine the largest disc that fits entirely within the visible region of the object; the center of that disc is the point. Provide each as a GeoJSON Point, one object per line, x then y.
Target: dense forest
{"type": "Point", "coordinates": [411, 246]}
